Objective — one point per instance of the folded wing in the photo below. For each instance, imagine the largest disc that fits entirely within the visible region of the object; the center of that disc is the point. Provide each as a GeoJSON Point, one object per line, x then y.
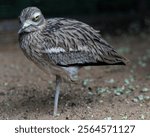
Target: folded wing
{"type": "Point", "coordinates": [70, 43]}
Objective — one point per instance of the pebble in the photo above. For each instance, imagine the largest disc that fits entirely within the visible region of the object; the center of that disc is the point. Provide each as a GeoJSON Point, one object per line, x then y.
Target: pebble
{"type": "Point", "coordinates": [111, 81]}
{"type": "Point", "coordinates": [108, 118]}
{"type": "Point", "coordinates": [135, 100]}
{"type": "Point", "coordinates": [142, 117]}
{"type": "Point", "coordinates": [145, 90]}
{"type": "Point", "coordinates": [85, 82]}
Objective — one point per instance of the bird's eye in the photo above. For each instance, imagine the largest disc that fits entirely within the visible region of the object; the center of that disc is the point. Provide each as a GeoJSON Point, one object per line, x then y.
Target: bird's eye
{"type": "Point", "coordinates": [35, 19]}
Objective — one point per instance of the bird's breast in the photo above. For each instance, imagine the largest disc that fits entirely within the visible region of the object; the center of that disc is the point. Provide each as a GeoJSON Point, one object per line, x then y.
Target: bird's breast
{"type": "Point", "coordinates": [31, 48]}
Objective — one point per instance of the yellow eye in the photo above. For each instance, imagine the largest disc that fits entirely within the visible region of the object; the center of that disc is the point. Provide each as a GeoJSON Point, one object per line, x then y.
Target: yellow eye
{"type": "Point", "coordinates": [35, 19]}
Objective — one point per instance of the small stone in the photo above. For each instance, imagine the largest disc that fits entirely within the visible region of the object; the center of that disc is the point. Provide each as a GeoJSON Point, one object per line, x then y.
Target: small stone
{"type": "Point", "coordinates": [142, 117]}
{"type": "Point", "coordinates": [141, 105]}
{"type": "Point", "coordinates": [50, 82]}
{"type": "Point", "coordinates": [147, 97]}
{"type": "Point", "coordinates": [137, 86]}
{"type": "Point", "coordinates": [140, 97]}
{"type": "Point", "coordinates": [90, 93]}
{"type": "Point", "coordinates": [88, 107]}
{"type": "Point", "coordinates": [128, 91]}
{"type": "Point", "coordinates": [101, 90]}
{"type": "Point", "coordinates": [111, 81]}
{"type": "Point", "coordinates": [119, 90]}
{"type": "Point", "coordinates": [117, 93]}
{"type": "Point", "coordinates": [124, 117]}
{"type": "Point", "coordinates": [85, 82]}
{"type": "Point", "coordinates": [108, 118]}
{"type": "Point", "coordinates": [5, 84]}
{"type": "Point", "coordinates": [101, 101]}
{"type": "Point", "coordinates": [135, 100]}
{"type": "Point", "coordinates": [127, 82]}
{"type": "Point", "coordinates": [75, 78]}
{"type": "Point", "coordinates": [145, 90]}
{"type": "Point", "coordinates": [132, 88]}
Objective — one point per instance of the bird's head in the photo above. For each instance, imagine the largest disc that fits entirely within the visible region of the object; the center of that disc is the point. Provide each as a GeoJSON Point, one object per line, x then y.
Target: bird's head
{"type": "Point", "coordinates": [31, 19]}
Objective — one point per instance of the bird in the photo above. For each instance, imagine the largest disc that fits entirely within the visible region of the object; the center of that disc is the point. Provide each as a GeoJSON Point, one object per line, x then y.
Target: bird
{"type": "Point", "coordinates": [62, 46]}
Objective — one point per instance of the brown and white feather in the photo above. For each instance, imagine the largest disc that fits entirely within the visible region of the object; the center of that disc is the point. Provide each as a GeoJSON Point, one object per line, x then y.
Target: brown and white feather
{"type": "Point", "coordinates": [62, 43]}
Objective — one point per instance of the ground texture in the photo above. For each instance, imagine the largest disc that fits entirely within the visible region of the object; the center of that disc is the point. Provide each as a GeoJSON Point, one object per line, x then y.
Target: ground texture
{"type": "Point", "coordinates": [104, 92]}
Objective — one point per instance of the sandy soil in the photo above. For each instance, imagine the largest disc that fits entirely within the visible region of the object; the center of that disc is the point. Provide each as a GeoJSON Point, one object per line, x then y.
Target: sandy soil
{"type": "Point", "coordinates": [104, 92]}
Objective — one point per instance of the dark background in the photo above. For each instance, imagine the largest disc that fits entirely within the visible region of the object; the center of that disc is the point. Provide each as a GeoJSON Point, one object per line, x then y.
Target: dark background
{"type": "Point", "coordinates": [107, 15]}
{"type": "Point", "coordinates": [11, 8]}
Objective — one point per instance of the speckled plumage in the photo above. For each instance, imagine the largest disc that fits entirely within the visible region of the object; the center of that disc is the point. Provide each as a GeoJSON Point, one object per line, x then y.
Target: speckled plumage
{"type": "Point", "coordinates": [62, 46]}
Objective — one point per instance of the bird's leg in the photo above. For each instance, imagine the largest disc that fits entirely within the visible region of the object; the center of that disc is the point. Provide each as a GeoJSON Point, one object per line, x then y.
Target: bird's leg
{"type": "Point", "coordinates": [57, 92]}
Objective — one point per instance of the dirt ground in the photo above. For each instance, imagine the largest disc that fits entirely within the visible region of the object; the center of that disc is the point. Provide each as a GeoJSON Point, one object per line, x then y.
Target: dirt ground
{"type": "Point", "coordinates": [104, 92]}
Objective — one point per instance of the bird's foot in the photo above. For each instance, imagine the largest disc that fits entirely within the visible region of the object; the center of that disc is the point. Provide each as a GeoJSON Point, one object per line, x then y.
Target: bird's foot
{"type": "Point", "coordinates": [56, 114]}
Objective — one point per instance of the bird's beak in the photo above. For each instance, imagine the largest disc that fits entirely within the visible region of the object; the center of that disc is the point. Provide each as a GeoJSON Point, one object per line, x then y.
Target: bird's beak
{"type": "Point", "coordinates": [20, 31]}
{"type": "Point", "coordinates": [23, 27]}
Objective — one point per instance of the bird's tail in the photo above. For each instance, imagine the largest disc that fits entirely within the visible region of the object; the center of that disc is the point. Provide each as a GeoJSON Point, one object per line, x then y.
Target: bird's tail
{"type": "Point", "coordinates": [119, 60]}
{"type": "Point", "coordinates": [115, 59]}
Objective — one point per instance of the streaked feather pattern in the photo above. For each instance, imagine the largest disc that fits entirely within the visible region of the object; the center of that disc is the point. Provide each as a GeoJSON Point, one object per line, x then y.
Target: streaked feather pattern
{"type": "Point", "coordinates": [67, 42]}
{"type": "Point", "coordinates": [80, 41]}
{"type": "Point", "coordinates": [62, 46]}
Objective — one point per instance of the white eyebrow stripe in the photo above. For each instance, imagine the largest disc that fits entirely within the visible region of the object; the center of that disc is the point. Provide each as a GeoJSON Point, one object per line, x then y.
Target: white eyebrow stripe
{"type": "Point", "coordinates": [55, 50]}
{"type": "Point", "coordinates": [36, 14]}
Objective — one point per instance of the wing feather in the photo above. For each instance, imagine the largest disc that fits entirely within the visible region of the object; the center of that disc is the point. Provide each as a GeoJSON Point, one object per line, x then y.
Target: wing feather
{"type": "Point", "coordinates": [81, 44]}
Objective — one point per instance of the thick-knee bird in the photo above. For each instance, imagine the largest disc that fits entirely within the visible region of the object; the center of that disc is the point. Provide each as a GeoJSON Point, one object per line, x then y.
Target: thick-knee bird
{"type": "Point", "coordinates": [62, 46]}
